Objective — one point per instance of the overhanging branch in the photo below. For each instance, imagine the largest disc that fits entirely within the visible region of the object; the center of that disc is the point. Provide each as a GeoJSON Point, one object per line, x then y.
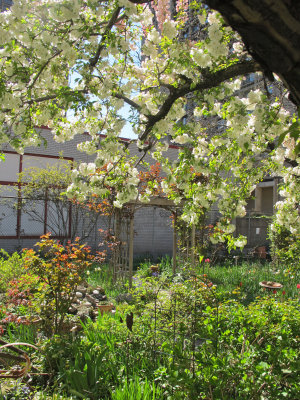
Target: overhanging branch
{"type": "Point", "coordinates": [128, 101]}
{"type": "Point", "coordinates": [210, 80]}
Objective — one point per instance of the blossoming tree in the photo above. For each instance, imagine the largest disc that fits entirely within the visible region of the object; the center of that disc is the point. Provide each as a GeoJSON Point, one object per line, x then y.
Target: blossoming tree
{"type": "Point", "coordinates": [73, 65]}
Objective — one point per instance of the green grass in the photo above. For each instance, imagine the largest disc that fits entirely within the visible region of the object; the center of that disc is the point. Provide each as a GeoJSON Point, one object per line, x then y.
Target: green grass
{"type": "Point", "coordinates": [137, 390]}
{"type": "Point", "coordinates": [226, 276]}
{"type": "Point", "coordinates": [248, 275]}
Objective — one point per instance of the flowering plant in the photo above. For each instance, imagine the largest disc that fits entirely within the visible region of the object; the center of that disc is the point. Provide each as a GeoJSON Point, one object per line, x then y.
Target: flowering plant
{"type": "Point", "coordinates": [183, 91]}
{"type": "Point", "coordinates": [61, 269]}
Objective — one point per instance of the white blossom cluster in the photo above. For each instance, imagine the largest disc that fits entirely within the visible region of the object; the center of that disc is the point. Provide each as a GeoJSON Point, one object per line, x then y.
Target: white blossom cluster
{"type": "Point", "coordinates": [72, 65]}
{"type": "Point", "coordinates": [288, 207]}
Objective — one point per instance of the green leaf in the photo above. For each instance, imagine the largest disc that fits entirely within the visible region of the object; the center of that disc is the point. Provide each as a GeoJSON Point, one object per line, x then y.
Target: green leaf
{"type": "Point", "coordinates": [262, 366]}
{"type": "Point", "coordinates": [286, 371]}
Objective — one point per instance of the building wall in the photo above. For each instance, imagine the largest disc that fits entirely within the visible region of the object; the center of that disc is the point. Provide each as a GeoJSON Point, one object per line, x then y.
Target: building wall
{"type": "Point", "coordinates": [5, 4]}
{"type": "Point", "coordinates": [153, 227]}
{"type": "Point", "coordinates": [255, 228]}
{"type": "Point", "coordinates": [153, 231]}
{"type": "Point", "coordinates": [260, 209]}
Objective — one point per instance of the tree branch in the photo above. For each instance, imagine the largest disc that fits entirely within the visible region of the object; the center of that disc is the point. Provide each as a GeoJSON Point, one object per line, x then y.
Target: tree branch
{"type": "Point", "coordinates": [48, 97]}
{"type": "Point", "coordinates": [128, 101]}
{"type": "Point", "coordinates": [210, 80]}
{"type": "Point", "coordinates": [271, 32]}
{"type": "Point", "coordinates": [42, 68]}
{"type": "Point", "coordinates": [112, 21]}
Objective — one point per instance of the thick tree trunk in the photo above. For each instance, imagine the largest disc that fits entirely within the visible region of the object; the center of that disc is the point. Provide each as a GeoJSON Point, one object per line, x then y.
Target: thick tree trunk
{"type": "Point", "coordinates": [271, 31]}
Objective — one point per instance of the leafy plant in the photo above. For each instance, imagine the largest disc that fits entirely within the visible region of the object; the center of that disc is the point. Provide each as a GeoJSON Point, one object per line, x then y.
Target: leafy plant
{"type": "Point", "coordinates": [137, 390]}
{"type": "Point", "coordinates": [11, 266]}
{"type": "Point", "coordinates": [285, 247]}
{"type": "Point", "coordinates": [61, 269]}
{"type": "Point", "coordinates": [19, 306]}
{"type": "Point", "coordinates": [21, 290]}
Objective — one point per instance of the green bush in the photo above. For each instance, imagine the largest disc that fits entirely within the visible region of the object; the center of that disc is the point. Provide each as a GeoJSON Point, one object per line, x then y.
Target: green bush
{"type": "Point", "coordinates": [11, 266]}
{"type": "Point", "coordinates": [285, 248]}
{"type": "Point", "coordinates": [257, 351]}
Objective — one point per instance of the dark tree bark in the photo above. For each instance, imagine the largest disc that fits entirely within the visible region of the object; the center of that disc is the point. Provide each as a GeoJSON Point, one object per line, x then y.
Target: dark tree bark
{"type": "Point", "coordinates": [270, 30]}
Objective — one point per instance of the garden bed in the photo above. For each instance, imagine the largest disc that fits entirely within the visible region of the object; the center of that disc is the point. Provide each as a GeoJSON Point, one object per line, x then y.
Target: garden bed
{"type": "Point", "coordinates": [210, 331]}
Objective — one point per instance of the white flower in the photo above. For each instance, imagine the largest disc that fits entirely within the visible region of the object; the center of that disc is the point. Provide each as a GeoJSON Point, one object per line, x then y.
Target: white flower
{"type": "Point", "coordinates": [162, 146]}
{"type": "Point", "coordinates": [201, 58]}
{"type": "Point", "coordinates": [181, 139]}
{"type": "Point", "coordinates": [254, 96]}
{"type": "Point", "coordinates": [240, 210]}
{"type": "Point", "coordinates": [153, 36]}
{"type": "Point", "coordinates": [238, 47]}
{"type": "Point", "coordinates": [87, 169]}
{"type": "Point", "coordinates": [118, 204]}
{"type": "Point", "coordinates": [212, 18]}
{"type": "Point", "coordinates": [169, 29]}
{"type": "Point", "coordinates": [240, 242]}
{"type": "Point", "coordinates": [202, 19]}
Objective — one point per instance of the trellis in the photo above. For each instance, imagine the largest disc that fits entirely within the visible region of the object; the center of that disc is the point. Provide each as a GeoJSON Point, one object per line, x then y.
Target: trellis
{"type": "Point", "coordinates": [122, 256]}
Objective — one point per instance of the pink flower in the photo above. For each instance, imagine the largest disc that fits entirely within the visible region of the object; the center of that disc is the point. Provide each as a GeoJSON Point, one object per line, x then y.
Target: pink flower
{"type": "Point", "coordinates": [298, 286]}
{"type": "Point", "coordinates": [207, 260]}
{"type": "Point", "coordinates": [283, 292]}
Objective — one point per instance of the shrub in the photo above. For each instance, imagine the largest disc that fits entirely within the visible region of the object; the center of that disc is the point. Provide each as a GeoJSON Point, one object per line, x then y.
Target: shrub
{"type": "Point", "coordinates": [61, 269]}
{"type": "Point", "coordinates": [19, 306]}
{"type": "Point", "coordinates": [10, 267]}
{"type": "Point", "coordinates": [21, 290]}
{"type": "Point", "coordinates": [285, 247]}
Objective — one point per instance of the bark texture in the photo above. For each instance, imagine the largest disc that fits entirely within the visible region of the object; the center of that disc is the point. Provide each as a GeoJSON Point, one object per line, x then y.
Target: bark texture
{"type": "Point", "coordinates": [271, 31]}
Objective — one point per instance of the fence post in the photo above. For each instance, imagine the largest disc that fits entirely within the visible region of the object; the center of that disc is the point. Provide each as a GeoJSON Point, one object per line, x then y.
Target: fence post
{"type": "Point", "coordinates": [174, 242]}
{"type": "Point", "coordinates": [131, 237]}
{"type": "Point", "coordinates": [193, 250]}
